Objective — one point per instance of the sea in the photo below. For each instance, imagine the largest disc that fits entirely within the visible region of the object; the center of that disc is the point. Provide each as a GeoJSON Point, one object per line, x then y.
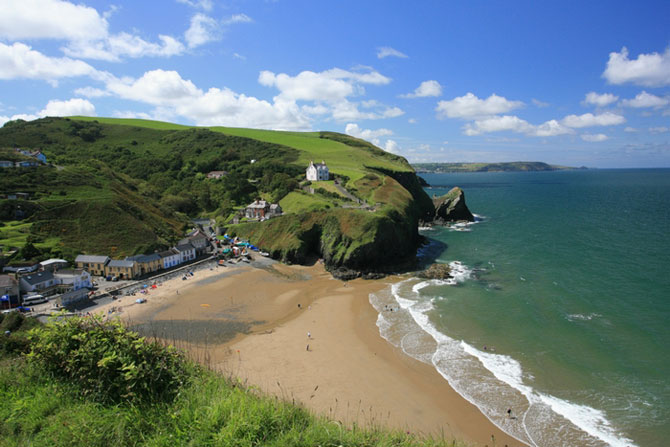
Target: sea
{"type": "Point", "coordinates": [556, 323]}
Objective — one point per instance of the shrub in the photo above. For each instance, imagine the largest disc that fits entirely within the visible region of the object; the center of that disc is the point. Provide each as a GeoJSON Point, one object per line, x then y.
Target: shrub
{"type": "Point", "coordinates": [107, 361]}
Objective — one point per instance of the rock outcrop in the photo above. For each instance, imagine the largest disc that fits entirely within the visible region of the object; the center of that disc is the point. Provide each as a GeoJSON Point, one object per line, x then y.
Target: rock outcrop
{"type": "Point", "coordinates": [436, 271]}
{"type": "Point", "coordinates": [451, 207]}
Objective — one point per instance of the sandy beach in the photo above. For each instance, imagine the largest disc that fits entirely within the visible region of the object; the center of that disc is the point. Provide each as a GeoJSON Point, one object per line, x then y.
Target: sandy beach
{"type": "Point", "coordinates": [296, 332]}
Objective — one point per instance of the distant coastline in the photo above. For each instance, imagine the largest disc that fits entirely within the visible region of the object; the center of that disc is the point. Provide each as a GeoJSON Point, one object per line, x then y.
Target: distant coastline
{"type": "Point", "coordinates": [513, 166]}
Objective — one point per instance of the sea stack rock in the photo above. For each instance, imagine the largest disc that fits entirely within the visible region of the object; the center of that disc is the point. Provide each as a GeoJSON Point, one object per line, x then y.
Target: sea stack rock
{"type": "Point", "coordinates": [451, 207]}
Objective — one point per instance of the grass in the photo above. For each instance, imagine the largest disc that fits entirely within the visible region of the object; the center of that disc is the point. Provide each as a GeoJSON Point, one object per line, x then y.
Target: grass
{"type": "Point", "coordinates": [209, 409]}
{"type": "Point", "coordinates": [301, 202]}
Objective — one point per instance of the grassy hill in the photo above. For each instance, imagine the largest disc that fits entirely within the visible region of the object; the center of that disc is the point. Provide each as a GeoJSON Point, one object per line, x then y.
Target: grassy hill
{"type": "Point", "coordinates": [437, 168]}
{"type": "Point", "coordinates": [121, 186]}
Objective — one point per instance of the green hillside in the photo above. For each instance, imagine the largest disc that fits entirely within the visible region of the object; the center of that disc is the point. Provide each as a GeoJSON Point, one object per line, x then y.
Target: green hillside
{"type": "Point", "coordinates": [120, 186]}
{"type": "Point", "coordinates": [512, 166]}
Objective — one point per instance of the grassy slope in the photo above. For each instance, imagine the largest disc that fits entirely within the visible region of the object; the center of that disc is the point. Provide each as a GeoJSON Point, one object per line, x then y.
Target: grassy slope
{"type": "Point", "coordinates": [488, 167]}
{"type": "Point", "coordinates": [344, 237]}
{"type": "Point", "coordinates": [334, 233]}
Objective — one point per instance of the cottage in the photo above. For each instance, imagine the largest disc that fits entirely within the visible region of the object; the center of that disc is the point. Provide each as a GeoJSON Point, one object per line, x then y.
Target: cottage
{"type": "Point", "coordinates": [73, 279]}
{"type": "Point", "coordinates": [260, 209]}
{"type": "Point", "coordinates": [216, 174]}
{"type": "Point", "coordinates": [186, 252]}
{"type": "Point", "coordinates": [43, 283]}
{"type": "Point", "coordinates": [122, 269]}
{"type": "Point", "coordinates": [198, 239]}
{"type": "Point", "coordinates": [53, 264]}
{"type": "Point", "coordinates": [39, 156]}
{"type": "Point", "coordinates": [6, 164]}
{"type": "Point", "coordinates": [317, 172]}
{"type": "Point", "coordinates": [94, 264]}
{"type": "Point", "coordinates": [170, 258]}
{"type": "Point", "coordinates": [26, 164]}
{"type": "Point", "coordinates": [147, 263]}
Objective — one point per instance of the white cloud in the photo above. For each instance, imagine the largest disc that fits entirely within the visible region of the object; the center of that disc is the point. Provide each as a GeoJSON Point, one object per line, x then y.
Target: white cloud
{"type": "Point", "coordinates": [392, 147]}
{"type": "Point", "coordinates": [660, 129]}
{"type": "Point", "coordinates": [206, 5]}
{"type": "Point", "coordinates": [83, 28]}
{"type": "Point", "coordinates": [649, 70]}
{"type": "Point", "coordinates": [238, 18]}
{"type": "Point", "coordinates": [645, 99]}
{"type": "Point", "coordinates": [427, 88]}
{"type": "Point", "coordinates": [19, 61]}
{"type": "Point", "coordinates": [600, 100]}
{"type": "Point", "coordinates": [366, 134]}
{"type": "Point", "coordinates": [594, 138]}
{"type": "Point", "coordinates": [203, 29]}
{"type": "Point", "coordinates": [590, 120]}
{"type": "Point", "coordinates": [470, 106]}
{"type": "Point", "coordinates": [91, 92]}
{"type": "Point", "coordinates": [117, 46]}
{"type": "Point", "coordinates": [71, 107]}
{"type": "Point", "coordinates": [174, 96]}
{"type": "Point", "coordinates": [388, 51]}
{"type": "Point", "coordinates": [50, 19]}
{"type": "Point", "coordinates": [515, 124]}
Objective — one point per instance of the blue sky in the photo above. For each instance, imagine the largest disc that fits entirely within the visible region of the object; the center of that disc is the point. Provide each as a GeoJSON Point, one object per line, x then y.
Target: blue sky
{"type": "Point", "coordinates": [574, 83]}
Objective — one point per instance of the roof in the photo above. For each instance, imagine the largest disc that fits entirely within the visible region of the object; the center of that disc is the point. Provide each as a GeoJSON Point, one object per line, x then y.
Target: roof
{"type": "Point", "coordinates": [7, 281]}
{"type": "Point", "coordinates": [184, 247]}
{"type": "Point", "coordinates": [37, 278]}
{"type": "Point", "coordinates": [144, 258]}
{"type": "Point", "coordinates": [121, 263]}
{"type": "Point", "coordinates": [166, 254]}
{"type": "Point", "coordinates": [53, 261]}
{"type": "Point", "coordinates": [70, 272]}
{"type": "Point", "coordinates": [258, 204]}
{"type": "Point", "coordinates": [92, 258]}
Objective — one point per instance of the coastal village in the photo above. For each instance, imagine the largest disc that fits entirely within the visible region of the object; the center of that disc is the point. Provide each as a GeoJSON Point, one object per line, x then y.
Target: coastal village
{"type": "Point", "coordinates": [56, 282]}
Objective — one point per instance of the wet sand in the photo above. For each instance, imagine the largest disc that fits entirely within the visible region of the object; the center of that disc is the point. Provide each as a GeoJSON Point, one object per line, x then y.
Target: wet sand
{"type": "Point", "coordinates": [253, 323]}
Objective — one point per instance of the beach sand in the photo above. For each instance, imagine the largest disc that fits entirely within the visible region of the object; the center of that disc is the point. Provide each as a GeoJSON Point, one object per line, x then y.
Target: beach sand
{"type": "Point", "coordinates": [245, 322]}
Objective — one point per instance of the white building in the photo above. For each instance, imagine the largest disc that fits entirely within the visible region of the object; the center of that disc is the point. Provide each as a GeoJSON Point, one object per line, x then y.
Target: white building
{"type": "Point", "coordinates": [317, 172]}
{"type": "Point", "coordinates": [74, 279]}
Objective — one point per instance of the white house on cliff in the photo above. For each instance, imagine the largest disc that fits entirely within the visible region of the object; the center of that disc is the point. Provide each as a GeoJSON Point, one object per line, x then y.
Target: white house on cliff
{"type": "Point", "coordinates": [317, 172]}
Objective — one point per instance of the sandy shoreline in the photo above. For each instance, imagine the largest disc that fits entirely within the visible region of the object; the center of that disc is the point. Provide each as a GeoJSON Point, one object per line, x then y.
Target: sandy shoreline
{"type": "Point", "coordinates": [246, 322]}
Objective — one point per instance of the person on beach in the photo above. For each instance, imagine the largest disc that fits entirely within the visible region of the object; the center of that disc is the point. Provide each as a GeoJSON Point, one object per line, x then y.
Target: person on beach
{"type": "Point", "coordinates": [307, 348]}
{"type": "Point", "coordinates": [309, 335]}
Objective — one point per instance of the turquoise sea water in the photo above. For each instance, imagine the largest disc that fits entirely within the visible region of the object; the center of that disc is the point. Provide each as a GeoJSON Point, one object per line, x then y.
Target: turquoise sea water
{"type": "Point", "coordinates": [560, 309]}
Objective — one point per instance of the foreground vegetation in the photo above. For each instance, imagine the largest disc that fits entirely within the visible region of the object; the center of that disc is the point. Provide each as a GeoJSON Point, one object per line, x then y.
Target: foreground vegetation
{"type": "Point", "coordinates": [42, 406]}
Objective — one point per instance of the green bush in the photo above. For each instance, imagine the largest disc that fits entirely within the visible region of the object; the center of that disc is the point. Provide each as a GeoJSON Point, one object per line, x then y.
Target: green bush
{"type": "Point", "coordinates": [108, 362]}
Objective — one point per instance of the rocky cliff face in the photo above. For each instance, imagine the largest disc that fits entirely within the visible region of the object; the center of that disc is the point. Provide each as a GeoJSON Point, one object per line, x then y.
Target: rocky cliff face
{"type": "Point", "coordinates": [451, 207]}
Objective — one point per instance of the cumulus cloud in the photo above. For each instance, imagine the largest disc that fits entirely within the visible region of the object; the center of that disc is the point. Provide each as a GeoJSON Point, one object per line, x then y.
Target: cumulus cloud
{"type": "Point", "coordinates": [649, 70]}
{"type": "Point", "coordinates": [203, 29]}
{"type": "Point", "coordinates": [71, 107]}
{"type": "Point", "coordinates": [366, 134]}
{"type": "Point", "coordinates": [19, 61]}
{"type": "Point", "coordinates": [600, 100]}
{"type": "Point", "coordinates": [539, 103]}
{"type": "Point", "coordinates": [83, 28]}
{"type": "Point", "coordinates": [470, 106]}
{"type": "Point", "coordinates": [389, 52]}
{"type": "Point", "coordinates": [515, 124]}
{"type": "Point", "coordinates": [594, 138]}
{"type": "Point", "coordinates": [50, 19]}
{"type": "Point", "coordinates": [425, 89]}
{"type": "Point", "coordinates": [590, 120]}
{"type": "Point", "coordinates": [392, 147]}
{"type": "Point", "coordinates": [645, 99]}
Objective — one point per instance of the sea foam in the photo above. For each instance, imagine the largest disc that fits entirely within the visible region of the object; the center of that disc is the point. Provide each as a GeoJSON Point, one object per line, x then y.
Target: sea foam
{"type": "Point", "coordinates": [493, 382]}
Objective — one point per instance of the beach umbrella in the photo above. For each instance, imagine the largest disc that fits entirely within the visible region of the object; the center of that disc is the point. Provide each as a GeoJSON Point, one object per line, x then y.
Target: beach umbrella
{"type": "Point", "coordinates": [4, 298]}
